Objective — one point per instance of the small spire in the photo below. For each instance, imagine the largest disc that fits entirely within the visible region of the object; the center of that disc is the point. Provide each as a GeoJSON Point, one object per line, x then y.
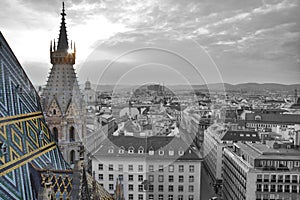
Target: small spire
{"type": "Point", "coordinates": [63, 39]}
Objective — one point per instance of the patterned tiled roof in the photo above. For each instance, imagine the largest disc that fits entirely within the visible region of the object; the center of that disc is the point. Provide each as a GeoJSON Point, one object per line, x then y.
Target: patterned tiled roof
{"type": "Point", "coordinates": [25, 139]}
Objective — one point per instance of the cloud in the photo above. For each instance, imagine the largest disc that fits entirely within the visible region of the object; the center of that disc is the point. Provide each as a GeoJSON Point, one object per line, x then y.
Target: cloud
{"type": "Point", "coordinates": [250, 30]}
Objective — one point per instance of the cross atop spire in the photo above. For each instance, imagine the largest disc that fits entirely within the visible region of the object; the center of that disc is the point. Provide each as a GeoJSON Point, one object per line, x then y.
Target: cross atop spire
{"type": "Point", "coordinates": [63, 39]}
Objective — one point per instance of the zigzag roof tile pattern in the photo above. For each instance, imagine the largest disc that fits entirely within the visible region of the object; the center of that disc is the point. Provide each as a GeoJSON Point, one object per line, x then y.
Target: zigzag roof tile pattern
{"type": "Point", "coordinates": [25, 139]}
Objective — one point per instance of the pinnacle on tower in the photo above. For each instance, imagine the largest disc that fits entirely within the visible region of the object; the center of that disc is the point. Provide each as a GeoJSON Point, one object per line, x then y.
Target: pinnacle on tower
{"type": "Point", "coordinates": [63, 39]}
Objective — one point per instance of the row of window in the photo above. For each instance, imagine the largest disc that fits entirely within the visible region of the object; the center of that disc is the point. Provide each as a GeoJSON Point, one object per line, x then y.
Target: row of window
{"type": "Point", "coordinates": [161, 197]}
{"type": "Point", "coordinates": [274, 178]}
{"type": "Point", "coordinates": [278, 164]}
{"type": "Point", "coordinates": [277, 188]}
{"type": "Point", "coordinates": [160, 188]}
{"type": "Point", "coordinates": [131, 150]}
{"type": "Point", "coordinates": [151, 178]}
{"type": "Point", "coordinates": [171, 168]}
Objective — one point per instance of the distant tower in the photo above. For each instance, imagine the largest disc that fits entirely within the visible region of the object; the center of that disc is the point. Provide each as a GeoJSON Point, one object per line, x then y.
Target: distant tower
{"type": "Point", "coordinates": [62, 100]}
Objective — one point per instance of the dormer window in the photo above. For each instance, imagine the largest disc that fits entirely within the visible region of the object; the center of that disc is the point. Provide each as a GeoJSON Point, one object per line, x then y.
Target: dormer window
{"type": "Point", "coordinates": [180, 151]}
{"type": "Point", "coordinates": [171, 152]}
{"type": "Point", "coordinates": [131, 150]}
{"type": "Point", "coordinates": [257, 117]}
{"type": "Point", "coordinates": [151, 151]}
{"type": "Point", "coordinates": [121, 150]}
{"type": "Point", "coordinates": [161, 152]}
{"type": "Point", "coordinates": [141, 150]}
{"type": "Point", "coordinates": [111, 150]}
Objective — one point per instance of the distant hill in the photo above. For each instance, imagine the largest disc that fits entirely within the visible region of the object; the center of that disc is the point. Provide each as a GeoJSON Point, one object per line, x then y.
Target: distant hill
{"type": "Point", "coordinates": [247, 87]}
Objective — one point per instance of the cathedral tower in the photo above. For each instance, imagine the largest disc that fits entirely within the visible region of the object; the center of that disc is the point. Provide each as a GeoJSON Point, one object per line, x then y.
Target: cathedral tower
{"type": "Point", "coordinates": [61, 98]}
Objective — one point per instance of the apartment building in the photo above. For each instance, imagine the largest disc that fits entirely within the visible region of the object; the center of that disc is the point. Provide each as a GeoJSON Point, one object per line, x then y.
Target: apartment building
{"type": "Point", "coordinates": [261, 171]}
{"type": "Point", "coordinates": [216, 138]}
{"type": "Point", "coordinates": [158, 167]}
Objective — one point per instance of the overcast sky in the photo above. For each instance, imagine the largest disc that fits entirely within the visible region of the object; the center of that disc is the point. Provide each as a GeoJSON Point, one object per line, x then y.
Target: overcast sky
{"type": "Point", "coordinates": [170, 41]}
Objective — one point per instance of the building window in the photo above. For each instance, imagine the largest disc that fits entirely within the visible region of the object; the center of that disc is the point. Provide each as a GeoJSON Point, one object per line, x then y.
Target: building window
{"type": "Point", "coordinates": [180, 188]}
{"type": "Point", "coordinates": [294, 178]}
{"type": "Point", "coordinates": [180, 197]}
{"type": "Point", "coordinates": [130, 168]}
{"type": "Point", "coordinates": [161, 168]}
{"type": "Point", "coordinates": [171, 152]}
{"type": "Point", "coordinates": [161, 152]}
{"type": "Point", "coordinates": [140, 177]}
{"type": "Point", "coordinates": [180, 151]}
{"type": "Point", "coordinates": [191, 179]}
{"type": "Point", "coordinates": [273, 178]}
{"type": "Point", "coordinates": [141, 150]}
{"type": "Point", "coordinates": [111, 150]}
{"type": "Point", "coordinates": [140, 168]}
{"type": "Point", "coordinates": [120, 167]}
{"type": "Point", "coordinates": [160, 178]}
{"type": "Point", "coordinates": [180, 179]}
{"type": "Point", "coordinates": [141, 188]}
{"type": "Point", "coordinates": [110, 167]}
{"type": "Point", "coordinates": [55, 134]}
{"type": "Point", "coordinates": [160, 188]}
{"type": "Point", "coordinates": [191, 168]}
{"type": "Point", "coordinates": [170, 197]}
{"type": "Point", "coordinates": [181, 168]}
{"type": "Point", "coordinates": [100, 177]}
{"type": "Point", "coordinates": [266, 188]}
{"type": "Point", "coordinates": [294, 188]}
{"type": "Point", "coordinates": [280, 178]}
{"type": "Point", "coordinates": [287, 178]}
{"type": "Point", "coordinates": [121, 150]}
{"type": "Point", "coordinates": [151, 168]}
{"type": "Point", "coordinates": [171, 178]}
{"type": "Point", "coordinates": [140, 197]}
{"type": "Point", "coordinates": [151, 151]}
{"type": "Point", "coordinates": [130, 177]}
{"type": "Point", "coordinates": [72, 156]}
{"type": "Point", "coordinates": [110, 177]}
{"type": "Point", "coordinates": [130, 187]}
{"type": "Point", "coordinates": [191, 188]}
{"type": "Point", "coordinates": [130, 197]}
{"type": "Point", "coordinates": [151, 178]}
{"type": "Point", "coordinates": [279, 188]}
{"type": "Point", "coordinates": [287, 188]}
{"type": "Point", "coordinates": [151, 188]}
{"type": "Point", "coordinates": [191, 197]}
{"type": "Point", "coordinates": [151, 196]}
{"type": "Point", "coordinates": [72, 134]}
{"type": "Point", "coordinates": [171, 188]}
{"type": "Point", "coordinates": [100, 166]}
{"type": "Point", "coordinates": [273, 188]}
{"type": "Point", "coordinates": [171, 168]}
{"type": "Point", "coordinates": [121, 177]}
{"type": "Point", "coordinates": [160, 197]}
{"type": "Point", "coordinates": [111, 186]}
{"type": "Point", "coordinates": [266, 178]}
{"type": "Point", "coordinates": [131, 150]}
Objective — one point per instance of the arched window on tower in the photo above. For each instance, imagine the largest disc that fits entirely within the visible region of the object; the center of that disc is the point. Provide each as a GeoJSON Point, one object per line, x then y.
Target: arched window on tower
{"type": "Point", "coordinates": [72, 156]}
{"type": "Point", "coordinates": [72, 134]}
{"type": "Point", "coordinates": [55, 134]}
{"type": "Point", "coordinates": [54, 112]}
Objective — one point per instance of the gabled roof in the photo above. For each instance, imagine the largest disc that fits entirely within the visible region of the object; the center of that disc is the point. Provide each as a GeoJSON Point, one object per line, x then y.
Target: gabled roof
{"type": "Point", "coordinates": [155, 143]}
{"type": "Point", "coordinates": [274, 118]}
{"type": "Point", "coordinates": [239, 135]}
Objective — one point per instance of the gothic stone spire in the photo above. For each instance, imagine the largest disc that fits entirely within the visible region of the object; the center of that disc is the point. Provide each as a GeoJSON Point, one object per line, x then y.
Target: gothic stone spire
{"type": "Point", "coordinates": [63, 38]}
